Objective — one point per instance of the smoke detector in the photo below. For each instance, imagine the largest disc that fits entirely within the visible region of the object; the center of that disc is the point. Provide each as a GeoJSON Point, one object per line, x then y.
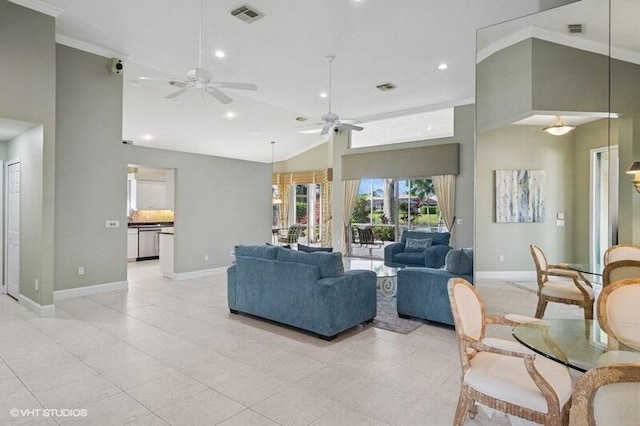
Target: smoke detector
{"type": "Point", "coordinates": [247, 13]}
{"type": "Point", "coordinates": [385, 87]}
{"type": "Point", "coordinates": [575, 28]}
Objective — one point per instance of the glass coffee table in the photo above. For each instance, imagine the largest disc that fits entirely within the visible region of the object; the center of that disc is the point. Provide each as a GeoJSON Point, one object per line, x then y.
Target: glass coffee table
{"type": "Point", "coordinates": [386, 275]}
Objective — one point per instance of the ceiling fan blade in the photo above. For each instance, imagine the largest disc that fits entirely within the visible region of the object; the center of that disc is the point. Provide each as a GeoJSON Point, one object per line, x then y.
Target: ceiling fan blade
{"type": "Point", "coordinates": [176, 94]}
{"type": "Point", "coordinates": [326, 129]}
{"type": "Point", "coordinates": [231, 85]}
{"type": "Point", "coordinates": [153, 79]}
{"type": "Point", "coordinates": [218, 95]}
{"type": "Point", "coordinates": [178, 83]}
{"type": "Point", "coordinates": [352, 126]}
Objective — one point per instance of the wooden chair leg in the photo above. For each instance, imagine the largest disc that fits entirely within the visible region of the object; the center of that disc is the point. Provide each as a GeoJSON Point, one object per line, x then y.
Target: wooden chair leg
{"type": "Point", "coordinates": [542, 306]}
{"type": "Point", "coordinates": [464, 402]}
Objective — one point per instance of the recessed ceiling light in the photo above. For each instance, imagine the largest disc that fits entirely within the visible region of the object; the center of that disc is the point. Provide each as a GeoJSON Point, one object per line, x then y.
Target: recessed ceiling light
{"type": "Point", "coordinates": [429, 127]}
{"type": "Point", "coordinates": [219, 54]}
{"type": "Point", "coordinates": [147, 137]}
{"type": "Point", "coordinates": [443, 66]}
{"type": "Point", "coordinates": [323, 95]}
{"type": "Point", "coordinates": [230, 114]}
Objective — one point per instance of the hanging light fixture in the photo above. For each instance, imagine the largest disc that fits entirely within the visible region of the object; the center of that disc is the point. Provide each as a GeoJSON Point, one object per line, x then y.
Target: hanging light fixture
{"type": "Point", "coordinates": [275, 197]}
{"type": "Point", "coordinates": [559, 128]}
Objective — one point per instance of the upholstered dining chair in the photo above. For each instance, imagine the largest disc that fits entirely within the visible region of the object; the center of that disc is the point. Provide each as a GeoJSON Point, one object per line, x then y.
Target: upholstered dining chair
{"type": "Point", "coordinates": [621, 252]}
{"type": "Point", "coordinates": [619, 270]}
{"type": "Point", "coordinates": [618, 312]}
{"type": "Point", "coordinates": [607, 396]}
{"type": "Point", "coordinates": [503, 374]}
{"type": "Point", "coordinates": [566, 286]}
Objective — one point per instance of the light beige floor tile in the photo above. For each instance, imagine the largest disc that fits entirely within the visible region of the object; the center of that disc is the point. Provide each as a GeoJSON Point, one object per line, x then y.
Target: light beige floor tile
{"type": "Point", "coordinates": [335, 383]}
{"type": "Point", "coordinates": [382, 403]}
{"type": "Point", "coordinates": [23, 412]}
{"type": "Point", "coordinates": [166, 390]}
{"type": "Point", "coordinates": [114, 410]}
{"type": "Point", "coordinates": [248, 417]}
{"type": "Point", "coordinates": [294, 405]}
{"type": "Point", "coordinates": [78, 394]}
{"type": "Point", "coordinates": [137, 373]}
{"type": "Point", "coordinates": [292, 367]}
{"type": "Point", "coordinates": [214, 369]}
{"type": "Point", "coordinates": [5, 372]}
{"type": "Point", "coordinates": [149, 420]}
{"type": "Point", "coordinates": [12, 389]}
{"type": "Point", "coordinates": [56, 375]}
{"type": "Point", "coordinates": [35, 360]}
{"type": "Point", "coordinates": [248, 386]}
{"type": "Point", "coordinates": [345, 416]}
{"type": "Point", "coordinates": [204, 408]}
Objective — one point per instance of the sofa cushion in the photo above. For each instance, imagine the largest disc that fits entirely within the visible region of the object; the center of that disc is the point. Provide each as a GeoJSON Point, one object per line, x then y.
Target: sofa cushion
{"type": "Point", "coordinates": [310, 249]}
{"type": "Point", "coordinates": [264, 252]}
{"type": "Point", "coordinates": [410, 258]}
{"type": "Point", "coordinates": [417, 245]}
{"type": "Point", "coordinates": [330, 264]}
{"type": "Point", "coordinates": [438, 238]}
{"type": "Point", "coordinates": [459, 262]}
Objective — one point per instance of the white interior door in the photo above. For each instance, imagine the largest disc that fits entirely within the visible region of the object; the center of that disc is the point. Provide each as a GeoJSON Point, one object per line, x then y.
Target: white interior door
{"type": "Point", "coordinates": [13, 229]}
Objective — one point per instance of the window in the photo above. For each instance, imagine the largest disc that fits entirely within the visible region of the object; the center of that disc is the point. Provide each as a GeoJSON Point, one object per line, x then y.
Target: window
{"type": "Point", "coordinates": [392, 205]}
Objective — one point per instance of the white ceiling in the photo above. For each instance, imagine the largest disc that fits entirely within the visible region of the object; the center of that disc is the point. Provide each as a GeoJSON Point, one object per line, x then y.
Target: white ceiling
{"type": "Point", "coordinates": [284, 54]}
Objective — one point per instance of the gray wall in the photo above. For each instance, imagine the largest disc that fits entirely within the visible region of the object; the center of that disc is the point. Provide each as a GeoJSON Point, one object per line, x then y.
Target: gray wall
{"type": "Point", "coordinates": [27, 93]}
{"type": "Point", "coordinates": [91, 171]}
{"type": "Point", "coordinates": [218, 202]}
{"type": "Point", "coordinates": [523, 147]}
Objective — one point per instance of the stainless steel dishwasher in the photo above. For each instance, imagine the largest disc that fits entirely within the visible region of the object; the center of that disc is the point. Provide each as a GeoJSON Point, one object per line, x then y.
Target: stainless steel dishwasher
{"type": "Point", "coordinates": [148, 243]}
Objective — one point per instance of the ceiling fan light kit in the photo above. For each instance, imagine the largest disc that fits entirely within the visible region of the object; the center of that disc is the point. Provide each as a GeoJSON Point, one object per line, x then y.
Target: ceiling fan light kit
{"type": "Point", "coordinates": [200, 78]}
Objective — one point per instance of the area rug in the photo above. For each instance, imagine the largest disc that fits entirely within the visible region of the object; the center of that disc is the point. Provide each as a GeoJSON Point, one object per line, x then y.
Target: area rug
{"type": "Point", "coordinates": [388, 319]}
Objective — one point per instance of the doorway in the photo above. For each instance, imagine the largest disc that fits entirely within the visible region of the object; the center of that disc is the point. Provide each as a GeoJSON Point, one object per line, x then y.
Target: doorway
{"type": "Point", "coordinates": [13, 229]}
{"type": "Point", "coordinates": [604, 201]}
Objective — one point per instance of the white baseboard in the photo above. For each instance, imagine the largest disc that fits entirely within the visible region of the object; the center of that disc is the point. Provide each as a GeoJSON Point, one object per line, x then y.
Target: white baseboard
{"type": "Point", "coordinates": [90, 289]}
{"type": "Point", "coordinates": [507, 275]}
{"type": "Point", "coordinates": [36, 308]}
{"type": "Point", "coordinates": [197, 274]}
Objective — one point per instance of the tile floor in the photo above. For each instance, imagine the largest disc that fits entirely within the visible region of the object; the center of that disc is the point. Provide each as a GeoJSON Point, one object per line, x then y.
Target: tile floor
{"type": "Point", "coordinates": [168, 352]}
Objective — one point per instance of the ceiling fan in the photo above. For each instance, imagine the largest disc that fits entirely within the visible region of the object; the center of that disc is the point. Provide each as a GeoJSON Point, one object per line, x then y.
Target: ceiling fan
{"type": "Point", "coordinates": [200, 78]}
{"type": "Point", "coordinates": [331, 120]}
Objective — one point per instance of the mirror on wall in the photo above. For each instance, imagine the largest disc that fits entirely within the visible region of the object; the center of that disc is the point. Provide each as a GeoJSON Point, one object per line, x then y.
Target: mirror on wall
{"type": "Point", "coordinates": [547, 142]}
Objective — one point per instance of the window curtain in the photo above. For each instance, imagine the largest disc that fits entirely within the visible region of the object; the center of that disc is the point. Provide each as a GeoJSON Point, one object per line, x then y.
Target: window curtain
{"type": "Point", "coordinates": [325, 233]}
{"type": "Point", "coordinates": [283, 214]}
{"type": "Point", "coordinates": [350, 196]}
{"type": "Point", "coordinates": [445, 187]}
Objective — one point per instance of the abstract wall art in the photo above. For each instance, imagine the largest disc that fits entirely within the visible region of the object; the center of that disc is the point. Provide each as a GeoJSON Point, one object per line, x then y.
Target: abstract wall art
{"type": "Point", "coordinates": [520, 196]}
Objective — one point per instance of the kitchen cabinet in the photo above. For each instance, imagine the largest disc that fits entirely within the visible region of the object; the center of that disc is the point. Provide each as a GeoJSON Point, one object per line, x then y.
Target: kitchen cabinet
{"type": "Point", "coordinates": [151, 195]}
{"type": "Point", "coordinates": [132, 244]}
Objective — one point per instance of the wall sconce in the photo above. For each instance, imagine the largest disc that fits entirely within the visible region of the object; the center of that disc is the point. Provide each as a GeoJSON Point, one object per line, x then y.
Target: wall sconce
{"type": "Point", "coordinates": [635, 170]}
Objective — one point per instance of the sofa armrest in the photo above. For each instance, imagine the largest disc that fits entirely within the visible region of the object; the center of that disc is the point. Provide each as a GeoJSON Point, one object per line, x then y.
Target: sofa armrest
{"type": "Point", "coordinates": [390, 251]}
{"type": "Point", "coordinates": [350, 298]}
{"type": "Point", "coordinates": [231, 286]}
{"type": "Point", "coordinates": [434, 256]}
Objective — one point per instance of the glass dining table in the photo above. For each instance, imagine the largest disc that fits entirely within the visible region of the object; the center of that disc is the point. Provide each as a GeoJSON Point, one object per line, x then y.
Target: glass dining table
{"type": "Point", "coordinates": [577, 343]}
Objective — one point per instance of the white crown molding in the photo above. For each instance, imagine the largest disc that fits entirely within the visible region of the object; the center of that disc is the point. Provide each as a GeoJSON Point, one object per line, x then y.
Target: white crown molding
{"type": "Point", "coordinates": [40, 6]}
{"type": "Point", "coordinates": [91, 48]}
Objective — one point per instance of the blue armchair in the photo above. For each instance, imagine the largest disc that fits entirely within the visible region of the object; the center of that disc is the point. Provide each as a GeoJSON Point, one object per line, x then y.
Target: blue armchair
{"type": "Point", "coordinates": [401, 254]}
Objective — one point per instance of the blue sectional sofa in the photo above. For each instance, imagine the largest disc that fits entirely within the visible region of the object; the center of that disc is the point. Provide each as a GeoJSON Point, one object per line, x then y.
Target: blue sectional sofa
{"type": "Point", "coordinates": [407, 252]}
{"type": "Point", "coordinates": [422, 292]}
{"type": "Point", "coordinates": [310, 291]}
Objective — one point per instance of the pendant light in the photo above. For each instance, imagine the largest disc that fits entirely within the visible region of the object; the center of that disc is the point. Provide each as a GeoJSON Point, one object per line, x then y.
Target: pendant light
{"type": "Point", "coordinates": [559, 128]}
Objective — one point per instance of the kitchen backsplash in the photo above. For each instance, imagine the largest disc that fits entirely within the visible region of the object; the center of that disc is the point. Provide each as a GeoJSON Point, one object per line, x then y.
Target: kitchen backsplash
{"type": "Point", "coordinates": [151, 216]}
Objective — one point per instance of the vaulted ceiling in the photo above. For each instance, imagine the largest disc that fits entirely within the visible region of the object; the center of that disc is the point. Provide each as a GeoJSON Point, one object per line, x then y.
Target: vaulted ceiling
{"type": "Point", "coordinates": [401, 42]}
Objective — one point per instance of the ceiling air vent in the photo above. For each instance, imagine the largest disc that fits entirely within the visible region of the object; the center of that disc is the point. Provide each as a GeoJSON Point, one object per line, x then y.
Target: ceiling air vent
{"type": "Point", "coordinates": [575, 28]}
{"type": "Point", "coordinates": [247, 13]}
{"type": "Point", "coordinates": [386, 87]}
{"type": "Point", "coordinates": [301, 118]}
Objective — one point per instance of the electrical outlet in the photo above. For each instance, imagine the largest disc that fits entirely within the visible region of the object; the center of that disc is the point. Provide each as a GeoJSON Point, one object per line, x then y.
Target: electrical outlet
{"type": "Point", "coordinates": [37, 284]}
{"type": "Point", "coordinates": [80, 270]}
{"type": "Point", "coordinates": [206, 257]}
{"type": "Point", "coordinates": [501, 258]}
{"type": "Point", "coordinates": [112, 224]}
{"type": "Point", "coordinates": [459, 221]}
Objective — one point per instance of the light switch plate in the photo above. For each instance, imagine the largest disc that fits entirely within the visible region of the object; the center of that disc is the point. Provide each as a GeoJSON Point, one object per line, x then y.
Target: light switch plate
{"type": "Point", "coordinates": [560, 215]}
{"type": "Point", "coordinates": [112, 224]}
